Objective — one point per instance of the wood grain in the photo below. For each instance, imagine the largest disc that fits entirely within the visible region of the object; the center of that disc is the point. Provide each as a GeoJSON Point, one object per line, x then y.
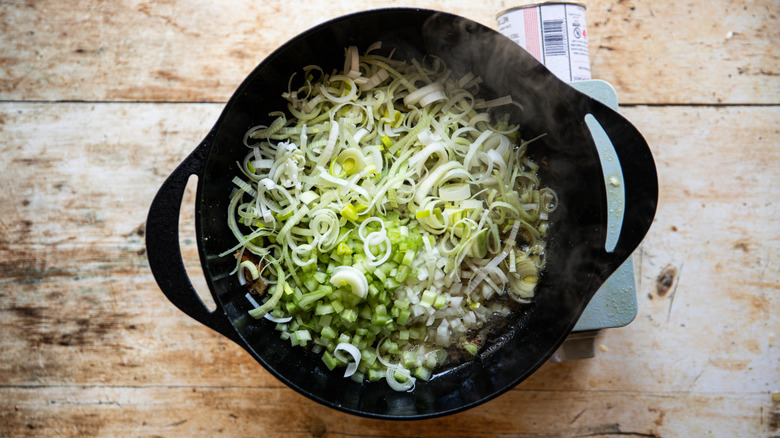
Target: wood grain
{"type": "Point", "coordinates": [91, 347]}
{"type": "Point", "coordinates": [231, 411]}
{"type": "Point", "coordinates": [99, 102]}
{"type": "Point", "coordinates": [660, 52]}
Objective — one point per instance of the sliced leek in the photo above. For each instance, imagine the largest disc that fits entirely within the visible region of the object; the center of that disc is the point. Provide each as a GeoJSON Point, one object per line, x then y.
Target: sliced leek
{"type": "Point", "coordinates": [388, 215]}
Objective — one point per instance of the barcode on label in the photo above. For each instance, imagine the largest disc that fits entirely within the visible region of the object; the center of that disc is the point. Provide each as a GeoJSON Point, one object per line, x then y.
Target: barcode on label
{"type": "Point", "coordinates": [553, 37]}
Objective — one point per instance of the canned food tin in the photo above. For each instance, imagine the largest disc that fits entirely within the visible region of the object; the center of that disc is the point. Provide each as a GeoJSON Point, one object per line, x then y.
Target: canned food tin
{"type": "Point", "coordinates": [554, 32]}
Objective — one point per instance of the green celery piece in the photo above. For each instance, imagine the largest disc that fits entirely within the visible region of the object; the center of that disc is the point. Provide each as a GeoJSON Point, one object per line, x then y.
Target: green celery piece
{"type": "Point", "coordinates": [329, 360]}
{"type": "Point", "coordinates": [423, 373]}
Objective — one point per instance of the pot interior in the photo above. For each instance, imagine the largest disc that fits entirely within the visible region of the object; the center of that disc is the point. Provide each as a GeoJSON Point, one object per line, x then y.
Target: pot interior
{"type": "Point", "coordinates": [572, 169]}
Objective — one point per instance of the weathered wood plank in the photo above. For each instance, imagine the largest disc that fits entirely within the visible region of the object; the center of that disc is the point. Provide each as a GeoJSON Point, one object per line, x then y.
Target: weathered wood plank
{"type": "Point", "coordinates": [79, 306]}
{"type": "Point", "coordinates": [231, 411]}
{"type": "Point", "coordinates": [659, 52]}
{"type": "Point", "coordinates": [89, 346]}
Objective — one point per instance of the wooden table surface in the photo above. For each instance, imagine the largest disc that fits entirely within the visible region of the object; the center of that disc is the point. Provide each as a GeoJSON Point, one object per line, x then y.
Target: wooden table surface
{"type": "Point", "coordinates": [99, 101]}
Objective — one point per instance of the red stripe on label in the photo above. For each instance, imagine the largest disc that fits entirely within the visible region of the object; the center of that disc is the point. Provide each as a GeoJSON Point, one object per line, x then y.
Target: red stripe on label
{"type": "Point", "coordinates": [532, 43]}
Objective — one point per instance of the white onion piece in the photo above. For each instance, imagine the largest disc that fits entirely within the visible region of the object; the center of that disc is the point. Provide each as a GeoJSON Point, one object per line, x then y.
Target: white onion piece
{"type": "Point", "coordinates": [352, 366]}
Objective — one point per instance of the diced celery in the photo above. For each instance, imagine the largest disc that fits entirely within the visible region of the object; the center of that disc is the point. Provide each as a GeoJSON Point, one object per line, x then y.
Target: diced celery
{"type": "Point", "coordinates": [365, 312]}
{"type": "Point", "coordinates": [349, 315]}
{"type": "Point", "coordinates": [471, 348]}
{"type": "Point", "coordinates": [311, 283]}
{"type": "Point", "coordinates": [344, 337]}
{"type": "Point", "coordinates": [409, 359]}
{"type": "Point", "coordinates": [308, 299]}
{"type": "Point", "coordinates": [391, 284]}
{"type": "Point", "coordinates": [328, 332]}
{"type": "Point", "coordinates": [324, 309]}
{"type": "Point", "coordinates": [428, 298]}
{"type": "Point", "coordinates": [402, 273]}
{"type": "Point", "coordinates": [401, 304]}
{"type": "Point", "coordinates": [408, 257]}
{"type": "Point", "coordinates": [375, 375]}
{"type": "Point", "coordinates": [329, 360]}
{"type": "Point", "coordinates": [303, 335]}
{"type": "Point", "coordinates": [401, 377]}
{"type": "Point", "coordinates": [368, 357]}
{"type": "Point", "coordinates": [380, 275]}
{"type": "Point", "coordinates": [321, 277]}
{"type": "Point", "coordinates": [430, 361]}
{"type": "Point", "coordinates": [422, 373]}
{"type": "Point", "coordinates": [392, 347]}
{"type": "Point", "coordinates": [379, 320]}
{"type": "Point", "coordinates": [403, 317]}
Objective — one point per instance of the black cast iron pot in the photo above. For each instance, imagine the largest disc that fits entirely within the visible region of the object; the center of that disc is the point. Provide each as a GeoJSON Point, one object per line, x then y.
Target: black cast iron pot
{"type": "Point", "coordinates": [577, 263]}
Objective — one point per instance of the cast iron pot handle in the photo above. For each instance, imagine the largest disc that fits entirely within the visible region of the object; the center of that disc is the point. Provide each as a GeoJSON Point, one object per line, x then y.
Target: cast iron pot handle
{"type": "Point", "coordinates": [162, 245]}
{"type": "Point", "coordinates": [640, 182]}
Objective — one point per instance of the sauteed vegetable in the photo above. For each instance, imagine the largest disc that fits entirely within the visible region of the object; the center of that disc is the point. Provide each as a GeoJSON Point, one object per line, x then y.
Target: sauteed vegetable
{"type": "Point", "coordinates": [387, 216]}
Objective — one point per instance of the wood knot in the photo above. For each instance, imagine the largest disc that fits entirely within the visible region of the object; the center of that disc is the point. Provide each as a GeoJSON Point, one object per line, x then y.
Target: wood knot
{"type": "Point", "coordinates": [665, 280]}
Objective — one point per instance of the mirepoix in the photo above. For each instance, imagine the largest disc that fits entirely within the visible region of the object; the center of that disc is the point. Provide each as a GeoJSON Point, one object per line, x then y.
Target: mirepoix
{"type": "Point", "coordinates": [390, 212]}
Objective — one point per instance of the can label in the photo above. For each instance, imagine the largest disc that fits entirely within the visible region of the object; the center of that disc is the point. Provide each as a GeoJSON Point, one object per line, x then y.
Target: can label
{"type": "Point", "coordinates": [554, 33]}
